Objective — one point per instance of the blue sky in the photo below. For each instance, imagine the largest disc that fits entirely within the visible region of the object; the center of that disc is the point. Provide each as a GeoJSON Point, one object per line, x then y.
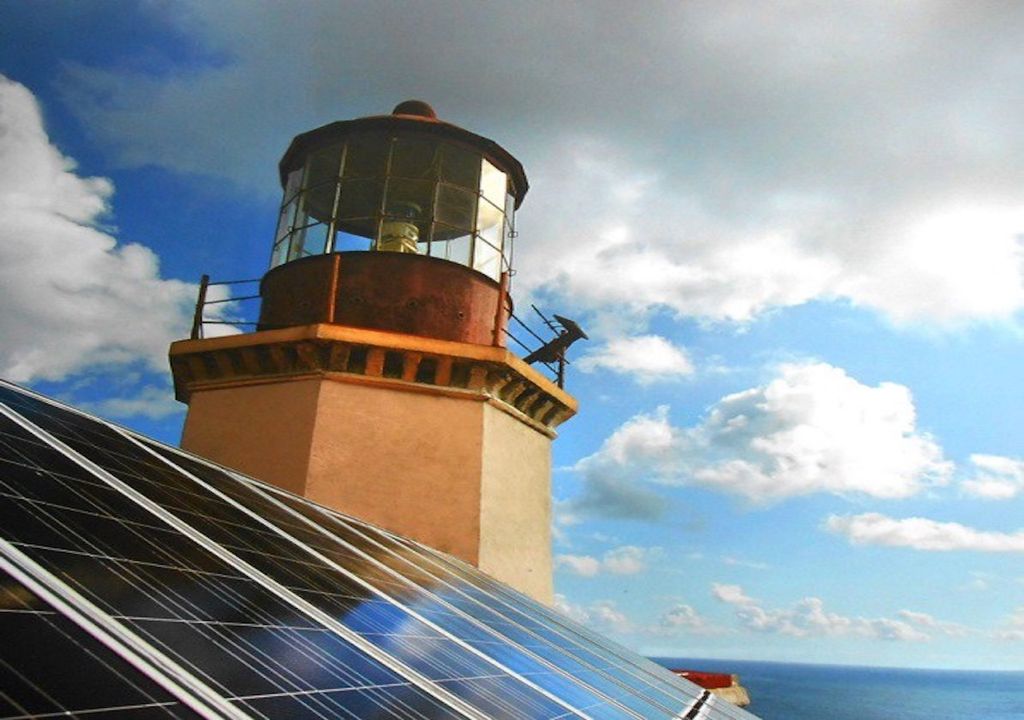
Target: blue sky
{"type": "Point", "coordinates": [792, 231]}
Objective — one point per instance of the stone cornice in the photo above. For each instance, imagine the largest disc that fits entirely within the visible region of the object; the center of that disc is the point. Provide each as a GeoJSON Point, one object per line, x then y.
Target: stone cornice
{"type": "Point", "coordinates": [346, 354]}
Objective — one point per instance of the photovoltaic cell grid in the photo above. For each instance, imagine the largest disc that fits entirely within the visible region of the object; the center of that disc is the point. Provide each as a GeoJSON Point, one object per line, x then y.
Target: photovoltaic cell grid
{"type": "Point", "coordinates": [140, 581]}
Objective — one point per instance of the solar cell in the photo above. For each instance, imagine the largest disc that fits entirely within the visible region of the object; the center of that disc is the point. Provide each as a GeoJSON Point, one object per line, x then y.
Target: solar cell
{"type": "Point", "coordinates": [223, 597]}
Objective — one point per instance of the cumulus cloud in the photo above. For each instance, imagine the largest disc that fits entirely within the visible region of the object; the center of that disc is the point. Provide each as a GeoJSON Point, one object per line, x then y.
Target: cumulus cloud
{"type": "Point", "coordinates": [74, 297]}
{"type": "Point", "coordinates": [811, 429]}
{"type": "Point", "coordinates": [151, 401]}
{"type": "Point", "coordinates": [601, 615]}
{"type": "Point", "coordinates": [996, 477]}
{"type": "Point", "coordinates": [773, 154]}
{"type": "Point", "coordinates": [1013, 628]}
{"type": "Point", "coordinates": [809, 618]}
{"type": "Point", "coordinates": [930, 623]}
{"type": "Point", "coordinates": [681, 618]}
{"type": "Point", "coordinates": [584, 565]}
{"type": "Point", "coordinates": [921, 534]}
{"type": "Point", "coordinates": [622, 560]}
{"type": "Point", "coordinates": [646, 358]}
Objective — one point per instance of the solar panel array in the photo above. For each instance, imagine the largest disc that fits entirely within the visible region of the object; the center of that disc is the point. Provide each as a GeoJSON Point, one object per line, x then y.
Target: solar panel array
{"type": "Point", "coordinates": [140, 581]}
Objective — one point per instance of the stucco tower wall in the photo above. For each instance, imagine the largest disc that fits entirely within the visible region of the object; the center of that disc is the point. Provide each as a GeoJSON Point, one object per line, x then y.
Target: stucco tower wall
{"type": "Point", "coordinates": [408, 461]}
{"type": "Point", "coordinates": [515, 505]}
{"type": "Point", "coordinates": [264, 430]}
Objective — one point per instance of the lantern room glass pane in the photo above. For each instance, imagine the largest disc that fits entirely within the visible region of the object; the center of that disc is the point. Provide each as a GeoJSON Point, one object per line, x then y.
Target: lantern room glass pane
{"type": "Point", "coordinates": [292, 185]}
{"type": "Point", "coordinates": [415, 158]}
{"type": "Point", "coordinates": [322, 166]}
{"type": "Point", "coordinates": [306, 241]}
{"type": "Point", "coordinates": [359, 207]}
{"type": "Point", "coordinates": [460, 167]}
{"type": "Point", "coordinates": [367, 156]}
{"type": "Point", "coordinates": [409, 199]}
{"type": "Point", "coordinates": [493, 183]}
{"type": "Point", "coordinates": [286, 220]}
{"type": "Point", "coordinates": [489, 216]}
{"type": "Point", "coordinates": [319, 201]}
{"type": "Point", "coordinates": [455, 207]}
{"type": "Point", "coordinates": [486, 258]}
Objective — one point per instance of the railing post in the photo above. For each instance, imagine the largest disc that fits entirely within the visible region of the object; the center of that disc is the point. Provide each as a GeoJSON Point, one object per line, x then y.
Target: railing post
{"type": "Point", "coordinates": [197, 318]}
{"type": "Point", "coordinates": [501, 315]}
{"type": "Point", "coordinates": [332, 294]}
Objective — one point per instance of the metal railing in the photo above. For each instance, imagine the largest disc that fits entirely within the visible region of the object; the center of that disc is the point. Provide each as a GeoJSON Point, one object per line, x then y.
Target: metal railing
{"type": "Point", "coordinates": [199, 321]}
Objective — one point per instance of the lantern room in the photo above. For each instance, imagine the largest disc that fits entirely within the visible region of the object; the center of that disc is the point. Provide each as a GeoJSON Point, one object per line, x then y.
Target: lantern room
{"type": "Point", "coordinates": [407, 197]}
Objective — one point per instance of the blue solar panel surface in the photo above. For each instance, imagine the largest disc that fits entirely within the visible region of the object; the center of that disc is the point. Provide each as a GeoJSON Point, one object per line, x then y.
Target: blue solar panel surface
{"type": "Point", "coordinates": [187, 590]}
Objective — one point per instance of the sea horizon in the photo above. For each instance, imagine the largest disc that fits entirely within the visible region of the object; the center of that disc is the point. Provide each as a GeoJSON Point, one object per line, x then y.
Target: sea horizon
{"type": "Point", "coordinates": [808, 691]}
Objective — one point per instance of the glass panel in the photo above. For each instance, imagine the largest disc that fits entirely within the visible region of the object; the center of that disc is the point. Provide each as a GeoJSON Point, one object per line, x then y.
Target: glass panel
{"type": "Point", "coordinates": [415, 158]}
{"type": "Point", "coordinates": [280, 254]}
{"type": "Point", "coordinates": [286, 219]}
{"type": "Point", "coordinates": [493, 183]}
{"type": "Point", "coordinates": [345, 242]}
{"type": "Point", "coordinates": [488, 218]}
{"type": "Point", "coordinates": [318, 202]}
{"type": "Point", "coordinates": [367, 156]}
{"type": "Point", "coordinates": [486, 258]}
{"type": "Point", "coordinates": [460, 167]}
{"type": "Point", "coordinates": [510, 205]}
{"type": "Point", "coordinates": [322, 166]}
{"type": "Point", "coordinates": [455, 208]}
{"type": "Point", "coordinates": [359, 207]}
{"type": "Point", "coordinates": [308, 241]}
{"type": "Point", "coordinates": [456, 249]}
{"type": "Point", "coordinates": [292, 185]}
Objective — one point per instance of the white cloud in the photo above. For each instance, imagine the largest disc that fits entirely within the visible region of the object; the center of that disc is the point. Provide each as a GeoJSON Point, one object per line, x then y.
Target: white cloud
{"type": "Point", "coordinates": [73, 297]}
{"type": "Point", "coordinates": [811, 429]}
{"type": "Point", "coordinates": [647, 358]}
{"type": "Point", "coordinates": [809, 618]}
{"type": "Point", "coordinates": [622, 560]}
{"type": "Point", "coordinates": [152, 401]}
{"type": "Point", "coordinates": [626, 560]}
{"type": "Point", "coordinates": [601, 615]}
{"type": "Point", "coordinates": [681, 618]}
{"type": "Point", "coordinates": [997, 478]}
{"type": "Point", "coordinates": [929, 622]}
{"type": "Point", "coordinates": [583, 565]}
{"type": "Point", "coordinates": [737, 562]}
{"type": "Point", "coordinates": [1013, 628]}
{"type": "Point", "coordinates": [921, 534]}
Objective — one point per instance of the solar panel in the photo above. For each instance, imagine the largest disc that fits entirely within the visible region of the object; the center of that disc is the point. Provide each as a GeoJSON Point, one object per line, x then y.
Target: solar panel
{"type": "Point", "coordinates": [189, 590]}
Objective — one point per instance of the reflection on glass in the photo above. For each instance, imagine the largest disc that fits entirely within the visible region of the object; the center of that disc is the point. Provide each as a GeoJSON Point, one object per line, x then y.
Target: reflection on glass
{"type": "Point", "coordinates": [485, 258]}
{"type": "Point", "coordinates": [493, 183]}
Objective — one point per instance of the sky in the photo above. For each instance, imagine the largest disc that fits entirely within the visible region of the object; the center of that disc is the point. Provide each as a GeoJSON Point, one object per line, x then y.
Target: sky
{"type": "Point", "coordinates": [794, 232]}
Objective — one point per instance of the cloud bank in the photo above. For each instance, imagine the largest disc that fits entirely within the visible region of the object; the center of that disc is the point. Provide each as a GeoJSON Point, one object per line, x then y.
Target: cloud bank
{"type": "Point", "coordinates": [811, 429]}
{"type": "Point", "coordinates": [809, 618]}
{"type": "Point", "coordinates": [74, 298]}
{"type": "Point", "coordinates": [922, 534]}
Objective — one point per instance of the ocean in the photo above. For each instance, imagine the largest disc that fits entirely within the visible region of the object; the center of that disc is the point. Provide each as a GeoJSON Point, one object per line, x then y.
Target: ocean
{"type": "Point", "coordinates": [783, 691]}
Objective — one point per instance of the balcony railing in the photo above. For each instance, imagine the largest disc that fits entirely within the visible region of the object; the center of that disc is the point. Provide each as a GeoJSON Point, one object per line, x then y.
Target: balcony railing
{"type": "Point", "coordinates": [216, 308]}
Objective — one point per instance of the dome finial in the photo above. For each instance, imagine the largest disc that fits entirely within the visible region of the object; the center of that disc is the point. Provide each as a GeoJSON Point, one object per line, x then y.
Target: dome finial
{"type": "Point", "coordinates": [415, 107]}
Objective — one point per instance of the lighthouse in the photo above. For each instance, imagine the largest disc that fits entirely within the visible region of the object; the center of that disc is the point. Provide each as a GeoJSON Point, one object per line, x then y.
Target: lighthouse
{"type": "Point", "coordinates": [377, 380]}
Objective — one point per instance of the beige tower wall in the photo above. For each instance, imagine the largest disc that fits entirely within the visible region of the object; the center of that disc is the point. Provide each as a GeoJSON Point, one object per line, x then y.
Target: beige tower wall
{"type": "Point", "coordinates": [515, 506]}
{"type": "Point", "coordinates": [264, 430]}
{"type": "Point", "coordinates": [409, 461]}
{"type": "Point", "coordinates": [449, 469]}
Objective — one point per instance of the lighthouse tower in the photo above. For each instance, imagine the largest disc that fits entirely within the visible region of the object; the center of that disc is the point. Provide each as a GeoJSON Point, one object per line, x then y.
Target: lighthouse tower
{"type": "Point", "coordinates": [377, 381]}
